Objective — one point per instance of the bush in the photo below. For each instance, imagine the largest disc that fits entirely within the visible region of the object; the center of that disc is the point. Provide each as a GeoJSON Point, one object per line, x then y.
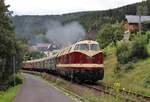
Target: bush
{"type": "Point", "coordinates": [147, 82]}
{"type": "Point", "coordinates": [132, 51]}
{"type": "Point", "coordinates": [138, 48]}
{"type": "Point", "coordinates": [10, 82]}
{"type": "Point", "coordinates": [18, 80]}
{"type": "Point", "coordinates": [138, 51]}
{"type": "Point", "coordinates": [148, 36]}
{"type": "Point", "coordinates": [110, 33]}
{"type": "Point", "coordinates": [123, 67]}
{"type": "Point", "coordinates": [123, 53]}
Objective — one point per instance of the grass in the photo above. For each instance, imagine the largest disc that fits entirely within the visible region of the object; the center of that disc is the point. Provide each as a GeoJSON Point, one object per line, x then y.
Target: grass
{"type": "Point", "coordinates": [9, 95]}
{"type": "Point", "coordinates": [136, 80]}
{"type": "Point", "coordinates": [75, 93]}
{"type": "Point", "coordinates": [102, 98]}
{"type": "Point", "coordinates": [148, 47]}
{"type": "Point", "coordinates": [90, 97]}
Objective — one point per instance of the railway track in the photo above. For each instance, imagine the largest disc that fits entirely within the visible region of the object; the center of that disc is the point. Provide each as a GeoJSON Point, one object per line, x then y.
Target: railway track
{"type": "Point", "coordinates": [125, 92]}
{"type": "Point", "coordinates": [146, 98]}
{"type": "Point", "coordinates": [122, 93]}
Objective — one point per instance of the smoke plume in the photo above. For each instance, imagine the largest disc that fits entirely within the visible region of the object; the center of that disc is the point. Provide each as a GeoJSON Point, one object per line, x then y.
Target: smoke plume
{"type": "Point", "coordinates": [64, 35]}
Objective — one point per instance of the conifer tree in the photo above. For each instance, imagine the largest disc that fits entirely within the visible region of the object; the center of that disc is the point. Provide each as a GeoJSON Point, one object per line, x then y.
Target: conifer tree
{"type": "Point", "coordinates": [7, 43]}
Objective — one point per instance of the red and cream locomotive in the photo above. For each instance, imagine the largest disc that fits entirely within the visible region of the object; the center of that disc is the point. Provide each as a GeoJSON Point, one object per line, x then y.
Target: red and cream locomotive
{"type": "Point", "coordinates": [82, 61]}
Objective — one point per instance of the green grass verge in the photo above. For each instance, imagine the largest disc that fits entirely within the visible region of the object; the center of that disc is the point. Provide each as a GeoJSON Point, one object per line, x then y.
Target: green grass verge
{"type": "Point", "coordinates": [148, 47]}
{"type": "Point", "coordinates": [87, 95]}
{"type": "Point", "coordinates": [137, 79]}
{"type": "Point", "coordinates": [9, 95]}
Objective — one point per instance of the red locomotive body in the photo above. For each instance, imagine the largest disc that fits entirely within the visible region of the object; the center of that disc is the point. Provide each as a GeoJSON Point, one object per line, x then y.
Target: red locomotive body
{"type": "Point", "coordinates": [82, 61]}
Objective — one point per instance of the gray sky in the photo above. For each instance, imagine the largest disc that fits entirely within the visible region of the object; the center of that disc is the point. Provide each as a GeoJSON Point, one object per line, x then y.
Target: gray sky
{"type": "Point", "coordinates": [43, 7]}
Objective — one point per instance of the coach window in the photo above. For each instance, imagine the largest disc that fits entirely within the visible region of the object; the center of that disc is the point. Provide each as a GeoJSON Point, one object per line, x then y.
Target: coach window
{"type": "Point", "coordinates": [94, 47]}
{"type": "Point", "coordinates": [84, 46]}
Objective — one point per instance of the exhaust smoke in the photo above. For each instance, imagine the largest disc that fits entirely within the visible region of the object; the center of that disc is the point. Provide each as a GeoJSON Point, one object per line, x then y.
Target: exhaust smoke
{"type": "Point", "coordinates": [65, 35]}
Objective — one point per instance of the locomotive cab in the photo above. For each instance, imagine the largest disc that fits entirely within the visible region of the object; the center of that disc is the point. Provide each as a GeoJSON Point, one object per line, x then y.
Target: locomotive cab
{"type": "Point", "coordinates": [87, 47]}
{"type": "Point", "coordinates": [89, 52]}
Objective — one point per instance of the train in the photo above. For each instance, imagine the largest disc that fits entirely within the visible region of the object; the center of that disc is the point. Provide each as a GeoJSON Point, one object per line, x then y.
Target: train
{"type": "Point", "coordinates": [81, 62]}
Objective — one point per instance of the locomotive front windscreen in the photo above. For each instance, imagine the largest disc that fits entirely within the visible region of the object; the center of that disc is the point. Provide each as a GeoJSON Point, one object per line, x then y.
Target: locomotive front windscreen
{"type": "Point", "coordinates": [87, 47]}
{"type": "Point", "coordinates": [84, 46]}
{"type": "Point", "coordinates": [94, 47]}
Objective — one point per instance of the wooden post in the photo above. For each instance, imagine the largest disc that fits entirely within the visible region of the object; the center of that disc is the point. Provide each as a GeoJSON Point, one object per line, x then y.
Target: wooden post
{"type": "Point", "coordinates": [140, 26]}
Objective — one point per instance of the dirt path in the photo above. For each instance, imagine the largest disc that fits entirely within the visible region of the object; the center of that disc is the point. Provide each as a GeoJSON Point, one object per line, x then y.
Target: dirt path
{"type": "Point", "coordinates": [35, 89]}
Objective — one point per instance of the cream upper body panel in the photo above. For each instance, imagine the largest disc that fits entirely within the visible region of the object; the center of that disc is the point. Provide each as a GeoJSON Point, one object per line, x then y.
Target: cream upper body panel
{"type": "Point", "coordinates": [89, 51]}
{"type": "Point", "coordinates": [87, 42]}
{"type": "Point", "coordinates": [73, 48]}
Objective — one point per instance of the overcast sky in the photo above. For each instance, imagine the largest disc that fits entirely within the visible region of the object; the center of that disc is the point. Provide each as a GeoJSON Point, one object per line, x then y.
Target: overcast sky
{"type": "Point", "coordinates": [46, 7]}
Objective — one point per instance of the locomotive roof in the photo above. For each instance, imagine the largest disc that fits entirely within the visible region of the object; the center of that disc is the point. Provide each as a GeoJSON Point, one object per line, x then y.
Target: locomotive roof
{"type": "Point", "coordinates": [87, 42]}
{"type": "Point", "coordinates": [71, 48]}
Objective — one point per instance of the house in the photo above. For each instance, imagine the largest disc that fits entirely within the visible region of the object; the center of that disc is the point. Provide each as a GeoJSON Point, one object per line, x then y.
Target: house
{"type": "Point", "coordinates": [131, 22]}
{"type": "Point", "coordinates": [42, 46]}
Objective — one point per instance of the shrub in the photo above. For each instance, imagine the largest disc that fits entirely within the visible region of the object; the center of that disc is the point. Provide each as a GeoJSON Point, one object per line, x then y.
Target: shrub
{"type": "Point", "coordinates": [129, 66]}
{"type": "Point", "coordinates": [117, 68]}
{"type": "Point", "coordinates": [18, 80]}
{"type": "Point", "coordinates": [123, 67]}
{"type": "Point", "coordinates": [147, 82]}
{"type": "Point", "coordinates": [148, 36]}
{"type": "Point", "coordinates": [133, 50]}
{"type": "Point", "coordinates": [123, 53]}
{"type": "Point", "coordinates": [138, 48]}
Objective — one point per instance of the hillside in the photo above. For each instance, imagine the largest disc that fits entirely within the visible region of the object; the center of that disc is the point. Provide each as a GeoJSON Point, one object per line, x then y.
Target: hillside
{"type": "Point", "coordinates": [136, 80]}
{"type": "Point", "coordinates": [28, 26]}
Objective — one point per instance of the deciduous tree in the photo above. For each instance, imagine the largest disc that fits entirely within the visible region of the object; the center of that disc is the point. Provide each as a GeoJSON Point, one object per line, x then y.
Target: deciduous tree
{"type": "Point", "coordinates": [109, 34]}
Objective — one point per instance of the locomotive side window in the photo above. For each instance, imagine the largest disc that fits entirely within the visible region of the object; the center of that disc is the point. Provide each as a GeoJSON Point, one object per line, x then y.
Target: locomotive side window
{"type": "Point", "coordinates": [76, 47]}
{"type": "Point", "coordinates": [94, 47]}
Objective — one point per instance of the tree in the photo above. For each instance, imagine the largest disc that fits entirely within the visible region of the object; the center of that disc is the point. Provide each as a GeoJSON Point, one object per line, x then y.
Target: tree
{"type": "Point", "coordinates": [110, 34]}
{"type": "Point", "coordinates": [8, 45]}
{"type": "Point", "coordinates": [34, 55]}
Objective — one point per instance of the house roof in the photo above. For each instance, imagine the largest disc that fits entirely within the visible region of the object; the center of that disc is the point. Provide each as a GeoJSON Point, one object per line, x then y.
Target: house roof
{"type": "Point", "coordinates": [42, 45]}
{"type": "Point", "coordinates": [135, 18]}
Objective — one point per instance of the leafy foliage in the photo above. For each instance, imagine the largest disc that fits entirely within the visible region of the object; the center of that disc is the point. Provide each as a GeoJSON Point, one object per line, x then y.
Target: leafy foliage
{"type": "Point", "coordinates": [34, 55]}
{"type": "Point", "coordinates": [147, 82]}
{"type": "Point", "coordinates": [138, 48]}
{"type": "Point", "coordinates": [123, 53]}
{"type": "Point", "coordinates": [148, 36]}
{"type": "Point", "coordinates": [123, 68]}
{"type": "Point", "coordinates": [9, 46]}
{"type": "Point", "coordinates": [132, 51]}
{"type": "Point", "coordinates": [110, 34]}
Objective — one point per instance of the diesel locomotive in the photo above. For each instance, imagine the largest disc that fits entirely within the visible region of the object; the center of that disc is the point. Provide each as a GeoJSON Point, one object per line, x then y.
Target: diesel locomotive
{"type": "Point", "coordinates": [82, 61]}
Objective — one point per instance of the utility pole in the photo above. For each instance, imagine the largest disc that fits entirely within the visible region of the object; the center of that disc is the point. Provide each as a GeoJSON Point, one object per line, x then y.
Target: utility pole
{"type": "Point", "coordinates": [14, 69]}
{"type": "Point", "coordinates": [141, 10]}
{"type": "Point", "coordinates": [140, 25]}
